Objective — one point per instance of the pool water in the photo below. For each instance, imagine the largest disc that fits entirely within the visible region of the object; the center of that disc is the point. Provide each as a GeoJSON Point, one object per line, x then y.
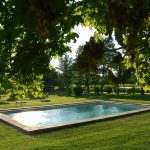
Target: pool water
{"type": "Point", "coordinates": [68, 114]}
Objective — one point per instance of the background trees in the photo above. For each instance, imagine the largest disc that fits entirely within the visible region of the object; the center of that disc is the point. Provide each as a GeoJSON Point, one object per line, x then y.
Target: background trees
{"type": "Point", "coordinates": [65, 72]}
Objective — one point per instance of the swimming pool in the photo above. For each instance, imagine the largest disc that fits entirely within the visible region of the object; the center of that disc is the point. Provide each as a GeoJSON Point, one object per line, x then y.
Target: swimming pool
{"type": "Point", "coordinates": [41, 118]}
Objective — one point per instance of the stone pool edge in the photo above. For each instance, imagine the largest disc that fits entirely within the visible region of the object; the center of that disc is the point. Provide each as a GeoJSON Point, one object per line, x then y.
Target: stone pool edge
{"type": "Point", "coordinates": [34, 130]}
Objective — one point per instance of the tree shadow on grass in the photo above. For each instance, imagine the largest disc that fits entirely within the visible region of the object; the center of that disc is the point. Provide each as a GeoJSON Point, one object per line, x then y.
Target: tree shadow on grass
{"type": "Point", "coordinates": [4, 103]}
{"type": "Point", "coordinates": [61, 93]}
{"type": "Point", "coordinates": [108, 97]}
{"type": "Point", "coordinates": [136, 97]}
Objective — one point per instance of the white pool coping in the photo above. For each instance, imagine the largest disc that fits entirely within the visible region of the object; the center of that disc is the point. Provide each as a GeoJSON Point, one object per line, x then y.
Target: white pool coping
{"type": "Point", "coordinates": [36, 129]}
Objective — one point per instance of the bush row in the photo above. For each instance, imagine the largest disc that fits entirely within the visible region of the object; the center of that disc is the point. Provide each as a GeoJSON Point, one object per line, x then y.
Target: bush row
{"type": "Point", "coordinates": [110, 90]}
{"type": "Point", "coordinates": [78, 90]}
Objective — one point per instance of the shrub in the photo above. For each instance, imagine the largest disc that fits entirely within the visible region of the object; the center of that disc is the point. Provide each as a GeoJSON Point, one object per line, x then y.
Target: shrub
{"type": "Point", "coordinates": [108, 90]}
{"type": "Point", "coordinates": [121, 90]}
{"type": "Point", "coordinates": [96, 90]}
{"type": "Point", "coordinates": [131, 91]}
{"type": "Point", "coordinates": [13, 97]}
{"type": "Point", "coordinates": [78, 90]}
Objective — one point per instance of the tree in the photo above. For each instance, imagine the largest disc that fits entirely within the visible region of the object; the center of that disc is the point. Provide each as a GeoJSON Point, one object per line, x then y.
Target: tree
{"type": "Point", "coordinates": [96, 58]}
{"type": "Point", "coordinates": [32, 32]}
{"type": "Point", "coordinates": [19, 91]}
{"type": "Point", "coordinates": [50, 81]}
{"type": "Point", "coordinates": [106, 63]}
{"type": "Point", "coordinates": [65, 69]}
{"type": "Point", "coordinates": [129, 20]}
{"type": "Point", "coordinates": [88, 59]}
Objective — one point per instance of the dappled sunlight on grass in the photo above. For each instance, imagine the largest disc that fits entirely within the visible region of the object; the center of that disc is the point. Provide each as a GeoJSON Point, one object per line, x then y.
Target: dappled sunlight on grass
{"type": "Point", "coordinates": [127, 98]}
{"type": "Point", "coordinates": [113, 134]}
{"type": "Point", "coordinates": [57, 99]}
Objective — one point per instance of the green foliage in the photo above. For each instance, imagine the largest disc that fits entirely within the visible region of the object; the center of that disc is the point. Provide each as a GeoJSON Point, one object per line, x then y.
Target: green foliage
{"type": "Point", "coordinates": [91, 56]}
{"type": "Point", "coordinates": [32, 32]}
{"type": "Point", "coordinates": [66, 74]}
{"type": "Point", "coordinates": [112, 78]}
{"type": "Point", "coordinates": [17, 90]}
{"type": "Point", "coordinates": [117, 59]}
{"type": "Point", "coordinates": [78, 91]}
{"type": "Point", "coordinates": [108, 89]}
{"type": "Point", "coordinates": [96, 90]}
{"type": "Point", "coordinates": [36, 89]}
{"type": "Point", "coordinates": [50, 80]}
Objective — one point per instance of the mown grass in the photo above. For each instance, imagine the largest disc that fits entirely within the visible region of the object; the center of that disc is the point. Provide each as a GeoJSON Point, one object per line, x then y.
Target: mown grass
{"type": "Point", "coordinates": [59, 99]}
{"type": "Point", "coordinates": [127, 133]}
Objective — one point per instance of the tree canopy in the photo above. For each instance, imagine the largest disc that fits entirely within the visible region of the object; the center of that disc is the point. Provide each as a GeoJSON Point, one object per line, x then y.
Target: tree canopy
{"type": "Point", "coordinates": [33, 31]}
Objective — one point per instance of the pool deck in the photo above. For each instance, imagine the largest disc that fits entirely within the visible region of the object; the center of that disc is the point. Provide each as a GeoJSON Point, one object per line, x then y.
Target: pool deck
{"type": "Point", "coordinates": [34, 130]}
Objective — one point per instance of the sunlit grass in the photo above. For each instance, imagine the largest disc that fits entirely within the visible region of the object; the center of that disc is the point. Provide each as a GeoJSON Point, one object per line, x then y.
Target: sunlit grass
{"type": "Point", "coordinates": [130, 133]}
{"type": "Point", "coordinates": [119, 134]}
{"type": "Point", "coordinates": [58, 99]}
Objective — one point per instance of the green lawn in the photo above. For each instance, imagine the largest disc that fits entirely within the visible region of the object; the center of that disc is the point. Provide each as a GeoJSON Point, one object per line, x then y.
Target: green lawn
{"type": "Point", "coordinates": [127, 133]}
{"type": "Point", "coordinates": [56, 99]}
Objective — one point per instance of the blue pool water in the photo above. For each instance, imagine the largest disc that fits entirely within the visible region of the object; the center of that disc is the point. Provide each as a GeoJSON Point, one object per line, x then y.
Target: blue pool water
{"type": "Point", "coordinates": [68, 114]}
